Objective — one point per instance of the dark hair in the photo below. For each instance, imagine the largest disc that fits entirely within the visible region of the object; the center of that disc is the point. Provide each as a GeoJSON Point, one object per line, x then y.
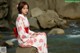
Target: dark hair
{"type": "Point", "coordinates": [21, 5]}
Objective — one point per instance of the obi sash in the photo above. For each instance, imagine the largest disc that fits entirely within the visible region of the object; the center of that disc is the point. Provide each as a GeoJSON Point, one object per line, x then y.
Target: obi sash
{"type": "Point", "coordinates": [16, 33]}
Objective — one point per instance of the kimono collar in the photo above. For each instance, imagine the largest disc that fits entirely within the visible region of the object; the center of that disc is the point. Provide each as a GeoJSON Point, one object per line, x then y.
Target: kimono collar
{"type": "Point", "coordinates": [21, 15]}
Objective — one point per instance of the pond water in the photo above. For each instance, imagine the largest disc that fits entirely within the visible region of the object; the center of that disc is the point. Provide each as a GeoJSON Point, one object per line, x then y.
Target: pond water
{"type": "Point", "coordinates": [67, 43]}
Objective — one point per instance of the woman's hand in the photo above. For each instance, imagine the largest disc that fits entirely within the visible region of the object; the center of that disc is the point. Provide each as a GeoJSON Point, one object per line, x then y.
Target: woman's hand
{"type": "Point", "coordinates": [34, 34]}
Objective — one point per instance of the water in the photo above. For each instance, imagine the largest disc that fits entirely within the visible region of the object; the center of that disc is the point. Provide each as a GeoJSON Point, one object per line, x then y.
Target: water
{"type": "Point", "coordinates": [67, 43]}
{"type": "Point", "coordinates": [64, 44]}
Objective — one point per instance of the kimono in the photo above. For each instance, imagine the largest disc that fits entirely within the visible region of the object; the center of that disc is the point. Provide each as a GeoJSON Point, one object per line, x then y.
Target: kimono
{"type": "Point", "coordinates": [24, 38]}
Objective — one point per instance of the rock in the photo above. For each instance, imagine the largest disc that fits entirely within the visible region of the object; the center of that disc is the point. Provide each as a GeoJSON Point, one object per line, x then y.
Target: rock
{"type": "Point", "coordinates": [36, 12]}
{"type": "Point", "coordinates": [46, 21]}
{"type": "Point", "coordinates": [50, 19]}
{"type": "Point", "coordinates": [59, 21]}
{"type": "Point", "coordinates": [8, 9]}
{"type": "Point", "coordinates": [42, 4]}
{"type": "Point", "coordinates": [9, 42]}
{"type": "Point", "coordinates": [51, 4]}
{"type": "Point", "coordinates": [1, 36]}
{"type": "Point", "coordinates": [27, 50]}
{"type": "Point", "coordinates": [13, 8]}
{"type": "Point", "coordinates": [3, 8]}
{"type": "Point", "coordinates": [2, 43]}
{"type": "Point", "coordinates": [33, 23]}
{"type": "Point", "coordinates": [68, 9]}
{"type": "Point", "coordinates": [4, 25]}
{"type": "Point", "coordinates": [56, 31]}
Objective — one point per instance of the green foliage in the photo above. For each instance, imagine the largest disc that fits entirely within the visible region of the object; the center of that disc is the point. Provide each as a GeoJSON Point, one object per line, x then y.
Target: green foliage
{"type": "Point", "coordinates": [72, 0]}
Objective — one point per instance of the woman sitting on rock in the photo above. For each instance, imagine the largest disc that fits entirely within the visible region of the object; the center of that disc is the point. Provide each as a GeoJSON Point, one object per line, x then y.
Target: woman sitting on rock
{"type": "Point", "coordinates": [26, 37]}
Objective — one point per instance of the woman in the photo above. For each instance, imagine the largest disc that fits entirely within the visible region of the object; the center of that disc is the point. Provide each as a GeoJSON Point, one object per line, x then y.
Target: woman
{"type": "Point", "coordinates": [28, 38]}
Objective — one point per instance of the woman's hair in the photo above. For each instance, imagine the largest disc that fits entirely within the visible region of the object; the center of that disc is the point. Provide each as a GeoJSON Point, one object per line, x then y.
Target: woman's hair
{"type": "Point", "coordinates": [21, 5]}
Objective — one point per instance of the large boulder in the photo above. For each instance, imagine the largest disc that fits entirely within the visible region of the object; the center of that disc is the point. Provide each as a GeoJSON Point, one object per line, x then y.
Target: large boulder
{"type": "Point", "coordinates": [36, 12]}
{"type": "Point", "coordinates": [50, 19]}
{"type": "Point", "coordinates": [42, 4]}
{"type": "Point", "coordinates": [33, 23]}
{"type": "Point", "coordinates": [59, 21]}
{"type": "Point", "coordinates": [3, 8]}
{"type": "Point", "coordinates": [56, 31]}
{"type": "Point", "coordinates": [4, 23]}
{"type": "Point", "coordinates": [46, 21]}
{"type": "Point", "coordinates": [8, 11]}
{"type": "Point", "coordinates": [68, 9]}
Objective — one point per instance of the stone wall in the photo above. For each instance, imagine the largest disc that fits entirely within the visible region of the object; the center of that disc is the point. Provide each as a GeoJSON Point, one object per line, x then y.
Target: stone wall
{"type": "Point", "coordinates": [8, 8]}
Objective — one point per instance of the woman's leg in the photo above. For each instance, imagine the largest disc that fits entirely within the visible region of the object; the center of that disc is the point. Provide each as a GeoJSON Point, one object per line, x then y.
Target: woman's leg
{"type": "Point", "coordinates": [41, 43]}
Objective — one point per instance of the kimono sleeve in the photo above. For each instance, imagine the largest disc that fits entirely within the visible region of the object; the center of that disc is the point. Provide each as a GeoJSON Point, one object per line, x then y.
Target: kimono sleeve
{"type": "Point", "coordinates": [21, 31]}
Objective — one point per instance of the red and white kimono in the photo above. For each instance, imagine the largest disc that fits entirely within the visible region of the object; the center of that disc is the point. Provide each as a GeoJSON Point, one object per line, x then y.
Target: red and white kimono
{"type": "Point", "coordinates": [25, 39]}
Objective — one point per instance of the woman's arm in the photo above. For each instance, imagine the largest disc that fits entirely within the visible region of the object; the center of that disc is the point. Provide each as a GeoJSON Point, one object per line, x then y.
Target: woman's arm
{"type": "Point", "coordinates": [26, 23]}
{"type": "Point", "coordinates": [21, 31]}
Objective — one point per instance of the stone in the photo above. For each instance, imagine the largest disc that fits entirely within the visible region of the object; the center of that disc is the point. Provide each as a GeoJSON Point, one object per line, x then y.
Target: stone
{"type": "Point", "coordinates": [3, 43]}
{"type": "Point", "coordinates": [46, 21]}
{"type": "Point", "coordinates": [33, 23]}
{"type": "Point", "coordinates": [13, 8]}
{"type": "Point", "coordinates": [3, 8]}
{"type": "Point", "coordinates": [59, 21]}
{"type": "Point", "coordinates": [56, 31]}
{"type": "Point", "coordinates": [68, 9]}
{"type": "Point", "coordinates": [9, 42]}
{"type": "Point", "coordinates": [42, 4]}
{"type": "Point", "coordinates": [4, 25]}
{"type": "Point", "coordinates": [1, 36]}
{"type": "Point", "coordinates": [26, 50]}
{"type": "Point", "coordinates": [36, 12]}
{"type": "Point", "coordinates": [51, 4]}
{"type": "Point", "coordinates": [51, 19]}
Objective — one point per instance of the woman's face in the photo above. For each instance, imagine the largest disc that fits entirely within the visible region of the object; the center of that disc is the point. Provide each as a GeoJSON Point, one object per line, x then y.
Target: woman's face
{"type": "Point", "coordinates": [25, 10]}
